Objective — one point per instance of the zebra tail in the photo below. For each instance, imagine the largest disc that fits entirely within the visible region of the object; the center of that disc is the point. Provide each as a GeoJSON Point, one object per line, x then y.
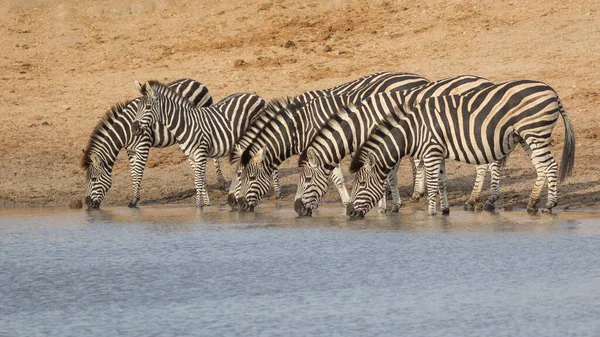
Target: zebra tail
{"type": "Point", "coordinates": [568, 155]}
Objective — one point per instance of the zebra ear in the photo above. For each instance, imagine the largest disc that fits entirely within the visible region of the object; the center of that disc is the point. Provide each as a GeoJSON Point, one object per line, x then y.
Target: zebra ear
{"type": "Point", "coordinates": [140, 87]}
{"type": "Point", "coordinates": [370, 161]}
{"type": "Point", "coordinates": [313, 160]}
{"type": "Point", "coordinates": [149, 90]}
{"type": "Point", "coordinates": [258, 156]}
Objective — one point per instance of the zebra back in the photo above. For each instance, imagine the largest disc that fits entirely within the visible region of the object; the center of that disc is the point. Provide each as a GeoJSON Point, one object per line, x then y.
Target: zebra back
{"type": "Point", "coordinates": [346, 130]}
{"type": "Point", "coordinates": [291, 126]}
{"type": "Point", "coordinates": [474, 128]}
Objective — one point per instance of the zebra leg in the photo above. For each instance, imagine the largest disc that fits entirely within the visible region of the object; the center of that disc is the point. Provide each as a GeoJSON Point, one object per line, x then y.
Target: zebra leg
{"type": "Point", "coordinates": [546, 167]}
{"type": "Point", "coordinates": [276, 185]}
{"type": "Point", "coordinates": [220, 177]}
{"type": "Point", "coordinates": [337, 177]}
{"type": "Point", "coordinates": [494, 187]}
{"type": "Point", "coordinates": [393, 182]}
{"type": "Point", "coordinates": [199, 166]}
{"type": "Point", "coordinates": [432, 171]}
{"type": "Point", "coordinates": [382, 204]}
{"type": "Point", "coordinates": [418, 179]}
{"type": "Point", "coordinates": [542, 158]}
{"type": "Point", "coordinates": [443, 189]}
{"type": "Point", "coordinates": [477, 187]}
{"type": "Point", "coordinates": [137, 162]}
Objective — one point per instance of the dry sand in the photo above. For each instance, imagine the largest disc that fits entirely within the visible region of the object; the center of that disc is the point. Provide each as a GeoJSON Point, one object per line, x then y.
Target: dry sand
{"type": "Point", "coordinates": [64, 63]}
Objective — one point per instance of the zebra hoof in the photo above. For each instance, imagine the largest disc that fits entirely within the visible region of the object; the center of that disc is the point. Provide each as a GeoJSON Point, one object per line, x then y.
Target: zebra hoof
{"type": "Point", "coordinates": [396, 208]}
{"type": "Point", "coordinates": [415, 197]}
{"type": "Point", "coordinates": [469, 207]}
{"type": "Point", "coordinates": [132, 205]}
{"type": "Point", "coordinates": [381, 210]}
{"type": "Point", "coordinates": [277, 196]}
{"type": "Point", "coordinates": [446, 211]}
{"type": "Point", "coordinates": [532, 210]}
{"type": "Point", "coordinates": [489, 207]}
{"type": "Point", "coordinates": [547, 211]}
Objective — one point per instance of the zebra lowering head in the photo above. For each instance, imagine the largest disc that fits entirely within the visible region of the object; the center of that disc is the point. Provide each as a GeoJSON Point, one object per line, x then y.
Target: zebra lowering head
{"type": "Point", "coordinates": [368, 185]}
{"type": "Point", "coordinates": [312, 183]}
{"type": "Point", "coordinates": [255, 180]}
{"type": "Point", "coordinates": [98, 179]}
{"type": "Point", "coordinates": [147, 114]}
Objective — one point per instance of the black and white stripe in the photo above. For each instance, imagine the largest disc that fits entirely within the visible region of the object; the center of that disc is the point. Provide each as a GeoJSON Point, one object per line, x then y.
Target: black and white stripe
{"type": "Point", "coordinates": [115, 131]}
{"type": "Point", "coordinates": [479, 128]}
{"type": "Point", "coordinates": [288, 126]}
{"type": "Point", "coordinates": [200, 132]}
{"type": "Point", "coordinates": [346, 131]}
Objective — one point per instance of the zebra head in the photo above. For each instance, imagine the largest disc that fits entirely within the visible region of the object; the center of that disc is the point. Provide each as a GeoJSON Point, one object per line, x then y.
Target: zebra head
{"type": "Point", "coordinates": [312, 183]}
{"type": "Point", "coordinates": [368, 188]}
{"type": "Point", "coordinates": [147, 114]}
{"type": "Point", "coordinates": [98, 178]}
{"type": "Point", "coordinates": [255, 181]}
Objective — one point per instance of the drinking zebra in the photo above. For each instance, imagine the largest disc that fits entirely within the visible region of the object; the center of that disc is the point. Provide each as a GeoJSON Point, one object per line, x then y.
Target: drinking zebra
{"type": "Point", "coordinates": [478, 128]}
{"type": "Point", "coordinates": [346, 131]}
{"type": "Point", "coordinates": [115, 131]}
{"type": "Point", "coordinates": [288, 127]}
{"type": "Point", "coordinates": [200, 132]}
{"type": "Point", "coordinates": [259, 123]}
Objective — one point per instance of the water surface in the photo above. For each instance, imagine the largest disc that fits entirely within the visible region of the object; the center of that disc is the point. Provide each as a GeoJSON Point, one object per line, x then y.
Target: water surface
{"type": "Point", "coordinates": [176, 270]}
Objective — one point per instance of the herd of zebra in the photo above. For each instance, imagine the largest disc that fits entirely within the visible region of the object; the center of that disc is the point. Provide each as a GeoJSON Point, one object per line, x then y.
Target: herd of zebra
{"type": "Point", "coordinates": [376, 119]}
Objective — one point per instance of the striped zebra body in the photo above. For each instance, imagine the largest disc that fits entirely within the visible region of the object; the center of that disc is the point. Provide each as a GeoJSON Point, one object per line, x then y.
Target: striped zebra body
{"type": "Point", "coordinates": [115, 131]}
{"type": "Point", "coordinates": [289, 126]}
{"type": "Point", "coordinates": [200, 132]}
{"type": "Point", "coordinates": [347, 130]}
{"type": "Point", "coordinates": [259, 124]}
{"type": "Point", "coordinates": [479, 128]}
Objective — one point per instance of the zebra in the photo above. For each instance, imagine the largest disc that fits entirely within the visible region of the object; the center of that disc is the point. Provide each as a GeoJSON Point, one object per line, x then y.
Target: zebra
{"type": "Point", "coordinates": [478, 128]}
{"type": "Point", "coordinates": [289, 127]}
{"type": "Point", "coordinates": [200, 132]}
{"type": "Point", "coordinates": [257, 125]}
{"type": "Point", "coordinates": [345, 132]}
{"type": "Point", "coordinates": [115, 131]}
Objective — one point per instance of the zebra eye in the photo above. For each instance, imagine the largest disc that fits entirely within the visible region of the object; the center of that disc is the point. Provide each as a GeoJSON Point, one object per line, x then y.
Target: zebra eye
{"type": "Point", "coordinates": [308, 179]}
{"type": "Point", "coordinates": [362, 183]}
{"type": "Point", "coordinates": [94, 179]}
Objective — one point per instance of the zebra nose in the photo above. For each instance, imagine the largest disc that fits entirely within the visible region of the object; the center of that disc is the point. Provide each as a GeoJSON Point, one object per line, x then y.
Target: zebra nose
{"type": "Point", "coordinates": [300, 209]}
{"type": "Point", "coordinates": [352, 212]}
{"type": "Point", "coordinates": [242, 202]}
{"type": "Point", "coordinates": [92, 203]}
{"type": "Point", "coordinates": [232, 201]}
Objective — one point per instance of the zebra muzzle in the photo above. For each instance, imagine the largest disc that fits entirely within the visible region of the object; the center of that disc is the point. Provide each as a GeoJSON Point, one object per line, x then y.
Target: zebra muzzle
{"type": "Point", "coordinates": [300, 209]}
{"type": "Point", "coordinates": [91, 203]}
{"type": "Point", "coordinates": [353, 213]}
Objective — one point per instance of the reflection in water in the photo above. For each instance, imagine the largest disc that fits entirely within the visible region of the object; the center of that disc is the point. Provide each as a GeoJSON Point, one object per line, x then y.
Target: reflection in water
{"type": "Point", "coordinates": [178, 270]}
{"type": "Point", "coordinates": [187, 218]}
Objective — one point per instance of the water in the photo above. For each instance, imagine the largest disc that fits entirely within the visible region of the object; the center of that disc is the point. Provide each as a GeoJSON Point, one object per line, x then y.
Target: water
{"type": "Point", "coordinates": [178, 271]}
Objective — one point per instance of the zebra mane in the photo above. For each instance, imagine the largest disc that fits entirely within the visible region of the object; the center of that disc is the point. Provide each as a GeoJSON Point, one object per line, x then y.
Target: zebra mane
{"type": "Point", "coordinates": [331, 125]}
{"type": "Point", "coordinates": [274, 109]}
{"type": "Point", "coordinates": [115, 112]}
{"type": "Point", "coordinates": [163, 90]}
{"type": "Point", "coordinates": [374, 141]}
